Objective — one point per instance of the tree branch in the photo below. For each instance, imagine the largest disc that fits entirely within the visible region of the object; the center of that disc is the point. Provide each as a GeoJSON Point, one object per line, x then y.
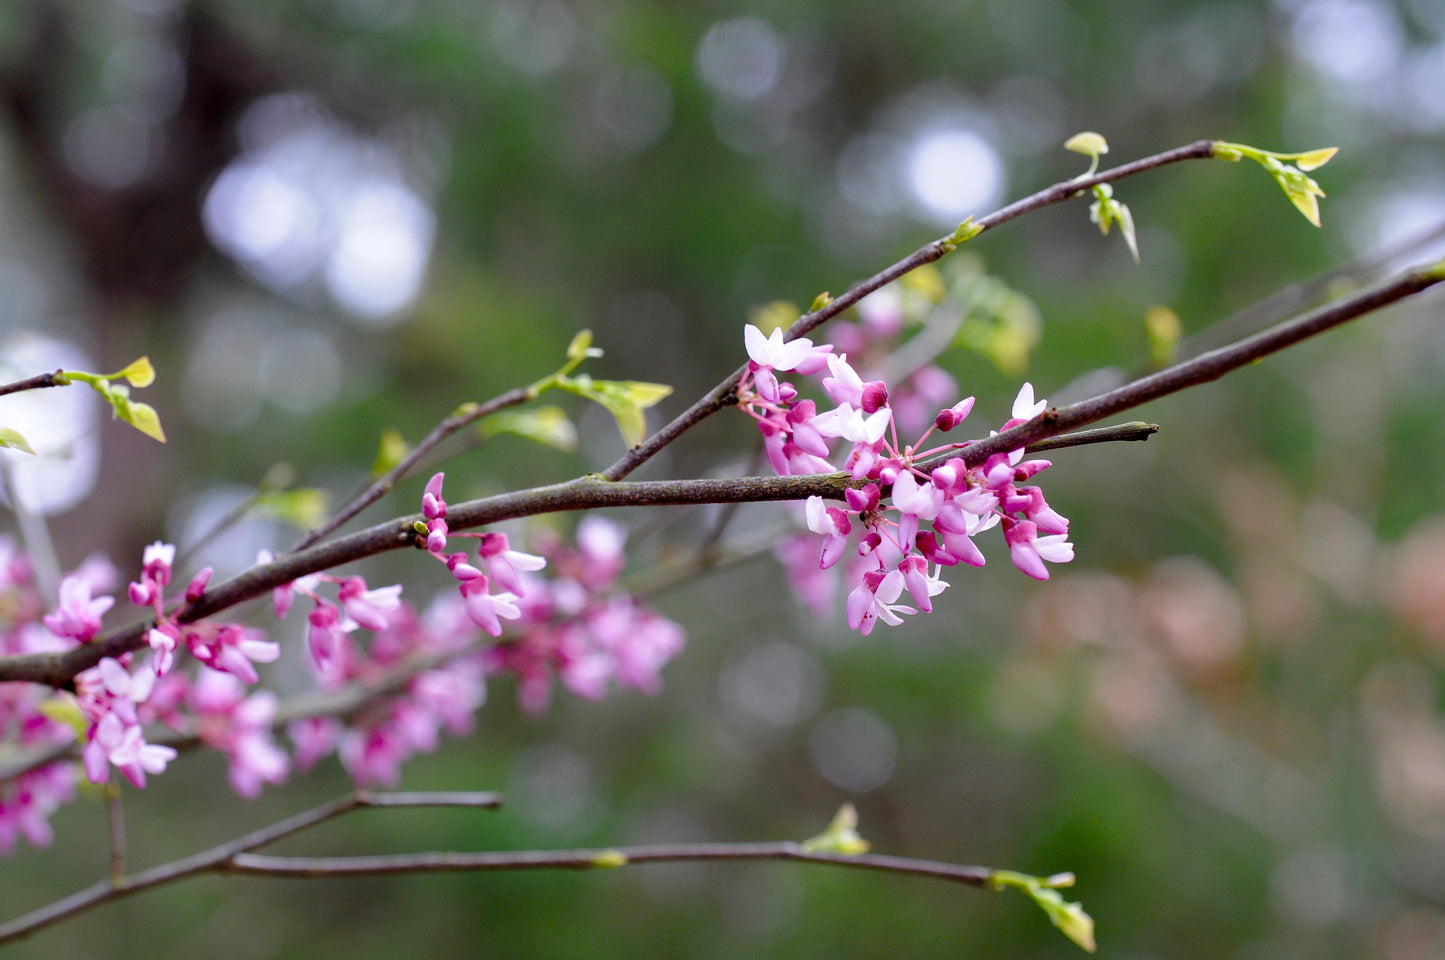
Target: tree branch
{"type": "Point", "coordinates": [378, 488]}
{"type": "Point", "coordinates": [37, 382]}
{"type": "Point", "coordinates": [603, 859]}
{"type": "Point", "coordinates": [591, 492]}
{"type": "Point", "coordinates": [217, 859]}
{"type": "Point", "coordinates": [722, 395]}
{"type": "Point", "coordinates": [235, 857]}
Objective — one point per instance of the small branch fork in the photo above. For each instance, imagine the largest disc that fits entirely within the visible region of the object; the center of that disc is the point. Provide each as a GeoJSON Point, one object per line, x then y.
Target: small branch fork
{"type": "Point", "coordinates": [237, 857]}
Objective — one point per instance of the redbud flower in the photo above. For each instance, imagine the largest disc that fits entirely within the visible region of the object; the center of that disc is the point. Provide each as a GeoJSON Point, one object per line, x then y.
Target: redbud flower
{"type": "Point", "coordinates": [77, 616]}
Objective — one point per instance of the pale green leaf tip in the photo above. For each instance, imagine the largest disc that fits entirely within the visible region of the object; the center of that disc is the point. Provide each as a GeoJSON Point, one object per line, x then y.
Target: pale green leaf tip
{"type": "Point", "coordinates": [841, 836]}
{"type": "Point", "coordinates": [139, 373]}
{"type": "Point", "coordinates": [1087, 142]}
{"type": "Point", "coordinates": [581, 343]}
{"type": "Point", "coordinates": [15, 440]}
{"type": "Point", "coordinates": [820, 301]}
{"type": "Point", "coordinates": [144, 418]}
{"type": "Point", "coordinates": [966, 231]}
{"type": "Point", "coordinates": [609, 860]}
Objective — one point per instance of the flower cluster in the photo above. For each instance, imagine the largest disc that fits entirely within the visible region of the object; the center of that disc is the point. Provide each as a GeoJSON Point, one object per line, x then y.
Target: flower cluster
{"type": "Point", "coordinates": [27, 801]}
{"type": "Point", "coordinates": [939, 503]}
{"type": "Point", "coordinates": [576, 626]}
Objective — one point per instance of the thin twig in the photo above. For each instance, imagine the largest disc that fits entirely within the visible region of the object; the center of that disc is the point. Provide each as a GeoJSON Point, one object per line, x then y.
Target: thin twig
{"type": "Point", "coordinates": [235, 858]}
{"type": "Point", "coordinates": [37, 382]}
{"type": "Point", "coordinates": [467, 414]}
{"type": "Point", "coordinates": [216, 859]}
{"type": "Point", "coordinates": [721, 396]}
{"type": "Point", "coordinates": [603, 859]}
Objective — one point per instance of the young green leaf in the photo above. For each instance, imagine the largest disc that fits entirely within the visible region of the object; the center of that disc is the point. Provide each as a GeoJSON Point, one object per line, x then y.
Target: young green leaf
{"type": "Point", "coordinates": [303, 508]}
{"type": "Point", "coordinates": [390, 451]}
{"type": "Point", "coordinates": [14, 440]}
{"type": "Point", "coordinates": [841, 836]}
{"type": "Point", "coordinates": [548, 426]}
{"type": "Point", "coordinates": [142, 416]}
{"type": "Point", "coordinates": [139, 373]}
{"type": "Point", "coordinates": [1070, 918]}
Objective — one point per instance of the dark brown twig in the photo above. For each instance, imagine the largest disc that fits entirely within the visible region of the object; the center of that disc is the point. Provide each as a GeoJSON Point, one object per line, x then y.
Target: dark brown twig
{"type": "Point", "coordinates": [378, 488]}
{"type": "Point", "coordinates": [217, 859]}
{"type": "Point", "coordinates": [37, 382]}
{"type": "Point", "coordinates": [721, 396]}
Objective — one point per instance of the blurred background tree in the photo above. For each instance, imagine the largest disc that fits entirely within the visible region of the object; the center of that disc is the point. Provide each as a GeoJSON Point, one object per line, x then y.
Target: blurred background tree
{"type": "Point", "coordinates": [325, 218]}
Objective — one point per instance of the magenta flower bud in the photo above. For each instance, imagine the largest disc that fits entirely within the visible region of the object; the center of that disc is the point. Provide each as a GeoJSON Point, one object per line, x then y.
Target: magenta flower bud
{"type": "Point", "coordinates": [142, 594]}
{"type": "Point", "coordinates": [197, 586]}
{"type": "Point", "coordinates": [945, 420]}
{"type": "Point", "coordinates": [461, 569]}
{"type": "Point", "coordinates": [1030, 468]}
{"type": "Point", "coordinates": [492, 544]}
{"type": "Point", "coordinates": [432, 504]}
{"type": "Point", "coordinates": [815, 362]}
{"type": "Point", "coordinates": [862, 500]}
{"type": "Point", "coordinates": [436, 541]}
{"type": "Point", "coordinates": [875, 396]}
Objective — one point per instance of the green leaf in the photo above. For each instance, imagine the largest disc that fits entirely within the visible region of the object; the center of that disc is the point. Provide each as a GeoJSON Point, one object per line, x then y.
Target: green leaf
{"type": "Point", "coordinates": [14, 440]}
{"type": "Point", "coordinates": [548, 426]}
{"type": "Point", "coordinates": [1001, 324]}
{"type": "Point", "coordinates": [1070, 918]}
{"type": "Point", "coordinates": [841, 836]}
{"type": "Point", "coordinates": [1088, 143]}
{"type": "Point", "coordinates": [624, 399]}
{"type": "Point", "coordinates": [389, 452]}
{"type": "Point", "coordinates": [303, 508]}
{"type": "Point", "coordinates": [581, 346]}
{"type": "Point", "coordinates": [926, 281]}
{"type": "Point", "coordinates": [1165, 331]}
{"type": "Point", "coordinates": [820, 301]}
{"type": "Point", "coordinates": [62, 708]}
{"type": "Point", "coordinates": [139, 373]}
{"type": "Point", "coordinates": [640, 392]}
{"type": "Point", "coordinates": [966, 231]}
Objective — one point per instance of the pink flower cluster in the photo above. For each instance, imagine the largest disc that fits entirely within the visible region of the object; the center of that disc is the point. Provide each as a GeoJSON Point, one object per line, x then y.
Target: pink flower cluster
{"type": "Point", "coordinates": [576, 626]}
{"type": "Point", "coordinates": [27, 801]}
{"type": "Point", "coordinates": [417, 676]}
{"type": "Point", "coordinates": [937, 508]}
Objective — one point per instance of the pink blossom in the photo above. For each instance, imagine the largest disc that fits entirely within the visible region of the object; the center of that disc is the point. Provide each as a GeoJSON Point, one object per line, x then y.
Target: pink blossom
{"type": "Point", "coordinates": [1024, 407]}
{"type": "Point", "coordinates": [77, 616]}
{"type": "Point", "coordinates": [873, 600]}
{"type": "Point", "coordinates": [487, 610]}
{"type": "Point", "coordinates": [117, 742]}
{"type": "Point", "coordinates": [314, 737]}
{"type": "Point", "coordinates": [834, 525]}
{"type": "Point", "coordinates": [368, 607]}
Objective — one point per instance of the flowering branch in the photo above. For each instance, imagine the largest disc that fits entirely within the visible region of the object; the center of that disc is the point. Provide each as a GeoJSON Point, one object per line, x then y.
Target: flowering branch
{"type": "Point", "coordinates": [594, 491]}
{"type": "Point", "coordinates": [220, 859]}
{"type": "Point", "coordinates": [723, 394]}
{"type": "Point", "coordinates": [1209, 366]}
